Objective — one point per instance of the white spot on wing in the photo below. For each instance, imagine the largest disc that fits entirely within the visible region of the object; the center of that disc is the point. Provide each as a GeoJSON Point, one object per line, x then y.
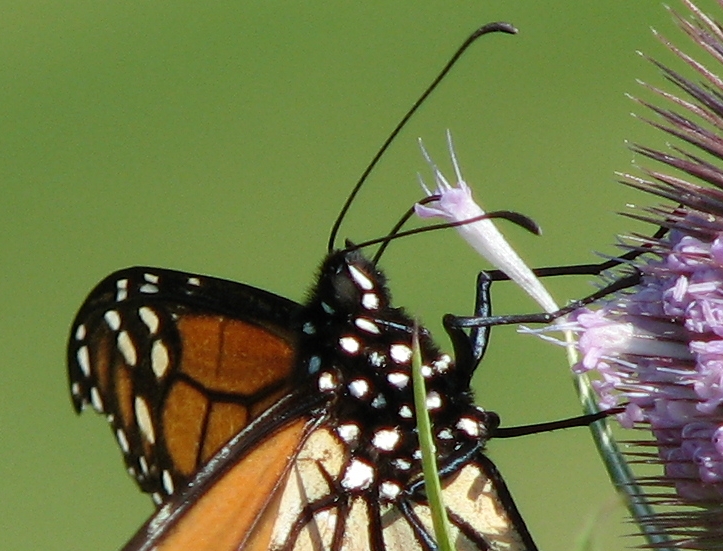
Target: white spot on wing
{"type": "Point", "coordinates": [120, 435]}
{"type": "Point", "coordinates": [143, 418]}
{"type": "Point", "coordinates": [143, 464]}
{"type": "Point", "coordinates": [80, 332]}
{"type": "Point", "coordinates": [159, 359]}
{"type": "Point", "coordinates": [96, 400]}
{"type": "Point", "coordinates": [121, 289]}
{"type": "Point", "coordinates": [112, 318]}
{"type": "Point", "coordinates": [150, 278]}
{"type": "Point", "coordinates": [194, 281]}
{"type": "Point", "coordinates": [127, 348]}
{"type": "Point", "coordinates": [83, 357]}
{"type": "Point", "coordinates": [148, 288]}
{"type": "Point", "coordinates": [405, 412]}
{"type": "Point", "coordinates": [167, 482]}
{"type": "Point", "coordinates": [150, 318]}
{"type": "Point", "coordinates": [309, 328]}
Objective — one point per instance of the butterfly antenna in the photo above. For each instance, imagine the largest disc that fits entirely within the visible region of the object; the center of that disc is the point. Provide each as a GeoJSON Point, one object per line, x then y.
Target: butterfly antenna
{"type": "Point", "coordinates": [485, 29]}
{"type": "Point", "coordinates": [519, 219]}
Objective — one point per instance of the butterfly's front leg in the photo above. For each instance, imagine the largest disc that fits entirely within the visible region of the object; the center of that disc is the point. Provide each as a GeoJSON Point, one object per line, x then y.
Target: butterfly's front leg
{"type": "Point", "coordinates": [470, 348]}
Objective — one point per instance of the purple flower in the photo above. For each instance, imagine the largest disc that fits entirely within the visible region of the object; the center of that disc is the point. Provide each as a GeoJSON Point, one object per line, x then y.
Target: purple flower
{"type": "Point", "coordinates": [657, 347]}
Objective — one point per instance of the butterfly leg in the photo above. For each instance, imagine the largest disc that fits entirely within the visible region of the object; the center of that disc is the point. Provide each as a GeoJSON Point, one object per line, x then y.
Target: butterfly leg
{"type": "Point", "coordinates": [469, 349]}
{"type": "Point", "coordinates": [579, 421]}
{"type": "Point", "coordinates": [587, 269]}
{"type": "Point", "coordinates": [451, 321]}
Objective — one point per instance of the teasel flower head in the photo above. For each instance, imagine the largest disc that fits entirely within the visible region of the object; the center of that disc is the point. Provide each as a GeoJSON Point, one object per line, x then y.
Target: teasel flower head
{"type": "Point", "coordinates": [657, 347]}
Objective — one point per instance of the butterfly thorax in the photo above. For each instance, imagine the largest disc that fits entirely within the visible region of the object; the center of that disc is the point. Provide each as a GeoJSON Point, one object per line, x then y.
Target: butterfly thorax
{"type": "Point", "coordinates": [357, 349]}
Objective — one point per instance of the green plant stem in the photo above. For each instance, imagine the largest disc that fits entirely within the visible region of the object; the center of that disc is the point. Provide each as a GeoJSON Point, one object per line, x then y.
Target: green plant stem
{"type": "Point", "coordinates": [432, 483]}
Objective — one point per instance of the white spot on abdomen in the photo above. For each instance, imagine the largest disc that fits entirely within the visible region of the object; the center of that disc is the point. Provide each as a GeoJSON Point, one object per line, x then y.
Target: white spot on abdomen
{"type": "Point", "coordinates": [386, 439]}
{"type": "Point", "coordinates": [389, 490]}
{"type": "Point", "coordinates": [361, 279]}
{"type": "Point", "coordinates": [400, 353]}
{"type": "Point", "coordinates": [367, 325]}
{"type": "Point", "coordinates": [398, 380]}
{"type": "Point", "coordinates": [349, 344]}
{"type": "Point", "coordinates": [359, 388]}
{"type": "Point", "coordinates": [359, 475]}
{"type": "Point", "coordinates": [327, 382]}
{"type": "Point", "coordinates": [434, 400]}
{"type": "Point", "coordinates": [348, 432]}
{"type": "Point", "coordinates": [370, 301]}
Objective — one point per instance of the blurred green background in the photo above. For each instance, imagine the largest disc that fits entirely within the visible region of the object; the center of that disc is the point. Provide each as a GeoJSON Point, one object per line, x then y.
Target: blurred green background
{"type": "Point", "coordinates": [223, 138]}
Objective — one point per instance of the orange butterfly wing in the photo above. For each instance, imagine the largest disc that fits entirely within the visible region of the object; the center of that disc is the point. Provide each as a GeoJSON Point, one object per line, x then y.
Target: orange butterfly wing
{"type": "Point", "coordinates": [280, 495]}
{"type": "Point", "coordinates": [179, 364]}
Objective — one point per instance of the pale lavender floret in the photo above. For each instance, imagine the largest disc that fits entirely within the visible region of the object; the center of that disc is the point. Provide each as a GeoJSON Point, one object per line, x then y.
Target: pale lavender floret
{"type": "Point", "coordinates": [659, 350]}
{"type": "Point", "coordinates": [716, 251]}
{"type": "Point", "coordinates": [454, 203]}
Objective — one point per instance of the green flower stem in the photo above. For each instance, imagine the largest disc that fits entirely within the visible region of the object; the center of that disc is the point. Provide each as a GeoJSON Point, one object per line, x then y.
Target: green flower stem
{"type": "Point", "coordinates": [429, 451]}
{"type": "Point", "coordinates": [617, 467]}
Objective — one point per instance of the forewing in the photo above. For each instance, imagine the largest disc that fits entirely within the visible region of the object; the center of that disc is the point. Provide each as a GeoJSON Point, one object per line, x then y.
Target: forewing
{"type": "Point", "coordinates": [179, 363]}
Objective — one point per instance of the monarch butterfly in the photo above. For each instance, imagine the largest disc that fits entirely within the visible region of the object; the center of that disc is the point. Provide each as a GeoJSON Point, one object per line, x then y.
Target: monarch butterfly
{"type": "Point", "coordinates": [257, 423]}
